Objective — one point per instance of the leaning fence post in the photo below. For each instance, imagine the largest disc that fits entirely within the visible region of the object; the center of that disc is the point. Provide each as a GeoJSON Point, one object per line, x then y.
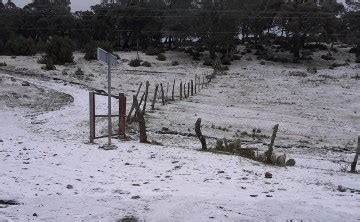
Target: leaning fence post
{"type": "Point", "coordinates": [353, 165]}
{"type": "Point", "coordinates": [195, 84]}
{"type": "Point", "coordinates": [173, 92]}
{"type": "Point", "coordinates": [92, 116]}
{"type": "Point", "coordinates": [155, 95]}
{"type": "Point", "coordinates": [271, 145]}
{"type": "Point", "coordinates": [162, 94]}
{"type": "Point", "coordinates": [181, 90]}
{"type": "Point", "coordinates": [192, 87]}
{"type": "Point", "coordinates": [122, 114]}
{"type": "Point", "coordinates": [146, 96]}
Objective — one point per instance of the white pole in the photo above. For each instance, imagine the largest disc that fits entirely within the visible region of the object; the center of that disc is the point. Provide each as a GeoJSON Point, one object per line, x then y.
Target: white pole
{"type": "Point", "coordinates": [109, 99]}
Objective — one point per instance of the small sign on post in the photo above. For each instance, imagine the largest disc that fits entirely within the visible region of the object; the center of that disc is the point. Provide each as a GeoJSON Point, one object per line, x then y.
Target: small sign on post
{"type": "Point", "coordinates": [110, 60]}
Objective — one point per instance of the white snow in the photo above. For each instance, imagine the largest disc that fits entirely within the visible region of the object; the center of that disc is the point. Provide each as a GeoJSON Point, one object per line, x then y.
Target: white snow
{"type": "Point", "coordinates": [44, 151]}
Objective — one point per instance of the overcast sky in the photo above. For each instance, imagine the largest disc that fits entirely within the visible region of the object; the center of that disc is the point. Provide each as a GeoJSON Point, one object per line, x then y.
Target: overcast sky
{"type": "Point", "coordinates": [75, 4]}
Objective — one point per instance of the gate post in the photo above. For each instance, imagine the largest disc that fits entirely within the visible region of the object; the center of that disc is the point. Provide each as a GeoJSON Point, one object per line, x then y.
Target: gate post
{"type": "Point", "coordinates": [92, 116]}
{"type": "Point", "coordinates": [122, 114]}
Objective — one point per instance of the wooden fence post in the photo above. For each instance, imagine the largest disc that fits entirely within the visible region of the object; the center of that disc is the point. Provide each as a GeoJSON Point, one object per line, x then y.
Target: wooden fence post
{"type": "Point", "coordinates": [173, 92]}
{"type": "Point", "coordinates": [132, 107]}
{"type": "Point", "coordinates": [192, 88]}
{"type": "Point", "coordinates": [353, 165]}
{"type": "Point", "coordinates": [155, 95]}
{"type": "Point", "coordinates": [181, 90]}
{"type": "Point", "coordinates": [271, 145]}
{"type": "Point", "coordinates": [92, 116]}
{"type": "Point", "coordinates": [195, 84]}
{"type": "Point", "coordinates": [188, 90]}
{"type": "Point", "coordinates": [142, 126]}
{"type": "Point", "coordinates": [184, 90]}
{"type": "Point", "coordinates": [122, 114]}
{"type": "Point", "coordinates": [162, 94]}
{"type": "Point", "coordinates": [146, 96]}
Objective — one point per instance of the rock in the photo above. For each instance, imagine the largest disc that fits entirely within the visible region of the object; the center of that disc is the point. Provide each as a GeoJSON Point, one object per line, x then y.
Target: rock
{"type": "Point", "coordinates": [290, 162]}
{"type": "Point", "coordinates": [25, 83]}
{"type": "Point", "coordinates": [135, 197]}
{"type": "Point", "coordinates": [268, 175]}
{"type": "Point", "coordinates": [341, 189]}
{"type": "Point", "coordinates": [35, 215]}
{"type": "Point", "coordinates": [69, 186]}
{"type": "Point", "coordinates": [221, 171]}
{"type": "Point", "coordinates": [253, 195]}
{"type": "Point", "coordinates": [64, 73]}
{"type": "Point", "coordinates": [1, 141]}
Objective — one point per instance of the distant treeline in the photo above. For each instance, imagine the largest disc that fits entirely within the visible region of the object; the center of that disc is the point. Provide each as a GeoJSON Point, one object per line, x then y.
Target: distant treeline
{"type": "Point", "coordinates": [216, 26]}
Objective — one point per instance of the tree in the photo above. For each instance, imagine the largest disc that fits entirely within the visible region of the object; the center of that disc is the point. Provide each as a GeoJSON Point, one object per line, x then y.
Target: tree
{"type": "Point", "coordinates": [60, 50]}
{"type": "Point", "coordinates": [352, 28]}
{"type": "Point", "coordinates": [18, 45]}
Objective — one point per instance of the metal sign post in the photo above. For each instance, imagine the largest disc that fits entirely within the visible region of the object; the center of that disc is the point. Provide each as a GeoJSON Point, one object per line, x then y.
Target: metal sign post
{"type": "Point", "coordinates": [110, 60]}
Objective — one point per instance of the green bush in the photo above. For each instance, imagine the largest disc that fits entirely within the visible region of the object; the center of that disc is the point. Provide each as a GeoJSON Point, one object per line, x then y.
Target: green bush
{"type": "Point", "coordinates": [60, 51]}
{"type": "Point", "coordinates": [135, 63]}
{"type": "Point", "coordinates": [161, 57]}
{"type": "Point", "coordinates": [20, 46]}
{"type": "Point", "coordinates": [146, 64]}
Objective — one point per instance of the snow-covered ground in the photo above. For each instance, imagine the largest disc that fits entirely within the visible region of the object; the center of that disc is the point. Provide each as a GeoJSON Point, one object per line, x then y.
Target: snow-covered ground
{"type": "Point", "coordinates": [49, 168]}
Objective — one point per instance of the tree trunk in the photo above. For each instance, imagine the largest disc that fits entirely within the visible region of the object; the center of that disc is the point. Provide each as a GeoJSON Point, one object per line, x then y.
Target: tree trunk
{"type": "Point", "coordinates": [199, 134]}
{"type": "Point", "coordinates": [357, 60]}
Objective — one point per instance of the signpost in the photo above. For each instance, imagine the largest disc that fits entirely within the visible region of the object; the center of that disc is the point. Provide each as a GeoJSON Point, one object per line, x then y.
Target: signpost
{"type": "Point", "coordinates": [110, 60]}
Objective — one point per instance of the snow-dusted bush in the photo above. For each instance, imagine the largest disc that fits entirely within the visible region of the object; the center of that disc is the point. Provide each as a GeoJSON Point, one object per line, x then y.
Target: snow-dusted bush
{"type": "Point", "coordinates": [146, 64]}
{"type": "Point", "coordinates": [161, 57]}
{"type": "Point", "coordinates": [135, 63]}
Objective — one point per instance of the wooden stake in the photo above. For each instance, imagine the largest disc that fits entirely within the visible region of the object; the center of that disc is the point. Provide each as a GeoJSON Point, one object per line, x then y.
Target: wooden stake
{"type": "Point", "coordinates": [122, 115]}
{"type": "Point", "coordinates": [155, 95]}
{"type": "Point", "coordinates": [146, 96]}
{"type": "Point", "coordinates": [92, 116]}
{"type": "Point", "coordinates": [192, 88]}
{"type": "Point", "coordinates": [132, 107]}
{"type": "Point", "coordinates": [353, 165]}
{"type": "Point", "coordinates": [271, 145]}
{"type": "Point", "coordinates": [162, 94]}
{"type": "Point", "coordinates": [173, 92]}
{"type": "Point", "coordinates": [167, 92]}
{"type": "Point", "coordinates": [184, 90]}
{"type": "Point", "coordinates": [195, 84]}
{"type": "Point", "coordinates": [181, 90]}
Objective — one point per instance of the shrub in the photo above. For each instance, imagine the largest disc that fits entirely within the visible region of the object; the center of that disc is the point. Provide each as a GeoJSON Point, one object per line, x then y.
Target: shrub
{"type": "Point", "coordinates": [175, 63]}
{"type": "Point", "coordinates": [18, 45]}
{"type": "Point", "coordinates": [146, 64]}
{"type": "Point", "coordinates": [60, 51]}
{"type": "Point", "coordinates": [49, 65]}
{"type": "Point", "coordinates": [208, 62]}
{"type": "Point", "coordinates": [3, 64]}
{"type": "Point", "coordinates": [135, 63]}
{"type": "Point", "coordinates": [161, 57]}
{"type": "Point", "coordinates": [226, 61]}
